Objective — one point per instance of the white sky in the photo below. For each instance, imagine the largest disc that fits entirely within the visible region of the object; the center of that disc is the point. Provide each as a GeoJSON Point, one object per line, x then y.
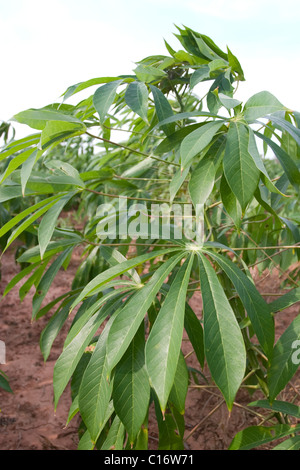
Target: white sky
{"type": "Point", "coordinates": [47, 46]}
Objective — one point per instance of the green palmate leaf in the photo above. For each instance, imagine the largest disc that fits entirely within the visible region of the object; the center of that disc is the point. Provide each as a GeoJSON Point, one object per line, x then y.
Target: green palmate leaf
{"type": "Point", "coordinates": [131, 389]}
{"type": "Point", "coordinates": [117, 270]}
{"type": "Point", "coordinates": [223, 341]}
{"type": "Point", "coordinates": [164, 342]}
{"type": "Point", "coordinates": [38, 118]}
{"type": "Point", "coordinates": [288, 299]}
{"type": "Point", "coordinates": [68, 360]}
{"type": "Point", "coordinates": [279, 406]}
{"type": "Point", "coordinates": [194, 330]}
{"type": "Point", "coordinates": [104, 98]}
{"type": "Point", "coordinates": [256, 307]}
{"type": "Point", "coordinates": [255, 436]}
{"type": "Point", "coordinates": [131, 316]}
{"type": "Point", "coordinates": [285, 361]}
{"type": "Point", "coordinates": [240, 170]}
{"type": "Point", "coordinates": [179, 389]}
{"type": "Point", "coordinates": [95, 389]}
{"type": "Point", "coordinates": [230, 202]}
{"type": "Point", "coordinates": [261, 104]}
{"type": "Point", "coordinates": [115, 437]}
{"type": "Point", "coordinates": [163, 109]}
{"type": "Point", "coordinates": [47, 225]}
{"type": "Point", "coordinates": [202, 182]}
{"type": "Point", "coordinates": [136, 98]}
{"type": "Point", "coordinates": [195, 142]}
{"type": "Point", "coordinates": [46, 281]}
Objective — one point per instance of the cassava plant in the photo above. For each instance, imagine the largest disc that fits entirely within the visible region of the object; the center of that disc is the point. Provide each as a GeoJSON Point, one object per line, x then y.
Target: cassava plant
{"type": "Point", "coordinates": [224, 178]}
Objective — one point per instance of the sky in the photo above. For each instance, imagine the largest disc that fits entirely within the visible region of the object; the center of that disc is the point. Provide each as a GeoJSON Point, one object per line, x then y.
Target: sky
{"type": "Point", "coordinates": [48, 46]}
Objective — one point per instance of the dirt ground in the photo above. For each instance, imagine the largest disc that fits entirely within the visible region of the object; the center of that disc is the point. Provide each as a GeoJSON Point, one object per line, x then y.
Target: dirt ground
{"type": "Point", "coordinates": [27, 418]}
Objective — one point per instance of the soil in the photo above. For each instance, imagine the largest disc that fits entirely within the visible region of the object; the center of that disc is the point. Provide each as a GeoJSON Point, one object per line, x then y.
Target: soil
{"type": "Point", "coordinates": [27, 418]}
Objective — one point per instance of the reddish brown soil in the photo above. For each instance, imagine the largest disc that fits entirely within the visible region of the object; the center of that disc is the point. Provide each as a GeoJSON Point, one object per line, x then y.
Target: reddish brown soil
{"type": "Point", "coordinates": [27, 418]}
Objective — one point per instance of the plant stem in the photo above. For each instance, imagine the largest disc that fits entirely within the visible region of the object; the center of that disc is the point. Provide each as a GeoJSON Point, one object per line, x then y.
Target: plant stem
{"type": "Point", "coordinates": [100, 193]}
{"type": "Point", "coordinates": [125, 147]}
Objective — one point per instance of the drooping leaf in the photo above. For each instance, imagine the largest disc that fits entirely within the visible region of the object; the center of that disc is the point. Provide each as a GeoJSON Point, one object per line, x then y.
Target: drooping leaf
{"type": "Point", "coordinates": [224, 346]}
{"type": "Point", "coordinates": [69, 358]}
{"type": "Point", "coordinates": [256, 307]}
{"type": "Point", "coordinates": [131, 389]}
{"type": "Point", "coordinates": [164, 342]}
{"type": "Point", "coordinates": [129, 319]}
{"type": "Point", "coordinates": [95, 389]}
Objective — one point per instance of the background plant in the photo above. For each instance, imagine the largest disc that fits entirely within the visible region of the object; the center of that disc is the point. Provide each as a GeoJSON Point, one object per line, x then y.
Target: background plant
{"type": "Point", "coordinates": [150, 137]}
